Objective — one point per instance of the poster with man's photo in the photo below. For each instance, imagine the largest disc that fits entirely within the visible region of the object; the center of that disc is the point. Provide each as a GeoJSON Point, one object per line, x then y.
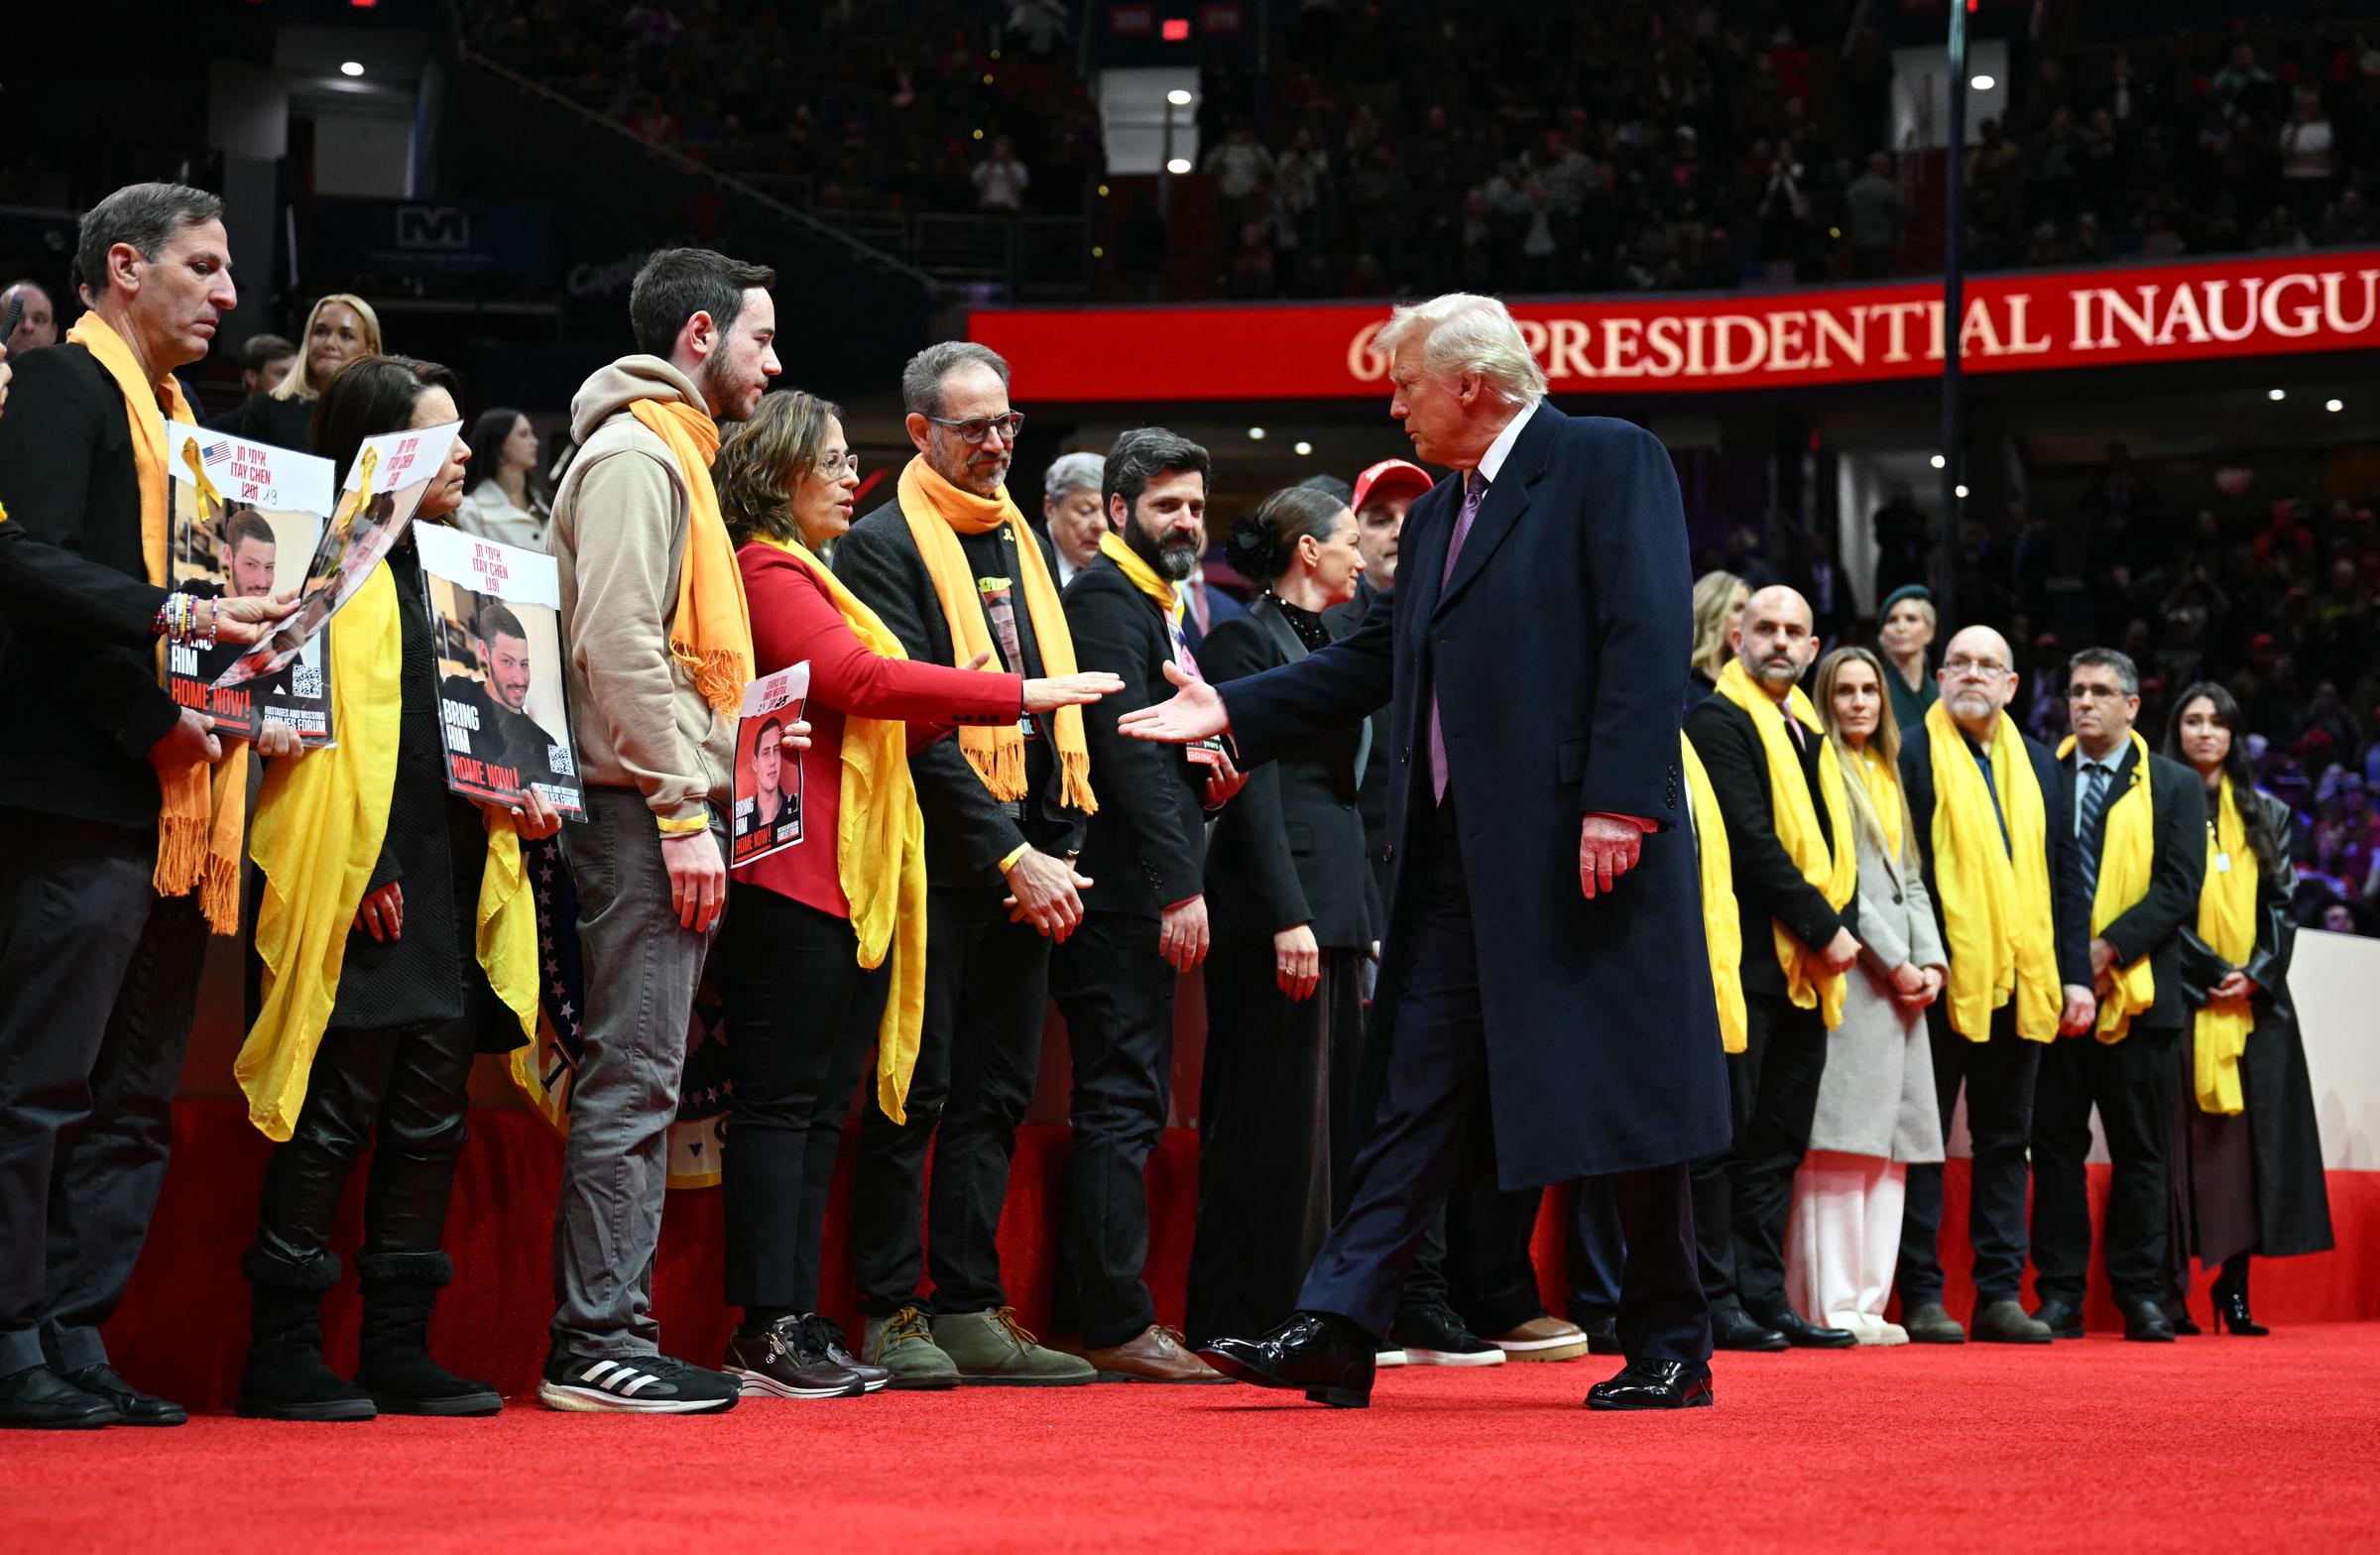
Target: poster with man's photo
{"type": "Point", "coordinates": [384, 485]}
{"type": "Point", "coordinates": [496, 613]}
{"type": "Point", "coordinates": [769, 776]}
{"type": "Point", "coordinates": [245, 518]}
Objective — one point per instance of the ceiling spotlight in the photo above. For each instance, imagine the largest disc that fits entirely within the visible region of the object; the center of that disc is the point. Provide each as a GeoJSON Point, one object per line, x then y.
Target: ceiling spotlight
{"type": "Point", "coordinates": [2276, 394]}
{"type": "Point", "coordinates": [1179, 98]}
{"type": "Point", "coordinates": [1303, 448]}
{"type": "Point", "coordinates": [1178, 166]}
{"type": "Point", "coordinates": [351, 67]}
{"type": "Point", "coordinates": [1959, 492]}
{"type": "Point", "coordinates": [1939, 461]}
{"type": "Point", "coordinates": [1983, 83]}
{"type": "Point", "coordinates": [1256, 433]}
{"type": "Point", "coordinates": [2335, 406]}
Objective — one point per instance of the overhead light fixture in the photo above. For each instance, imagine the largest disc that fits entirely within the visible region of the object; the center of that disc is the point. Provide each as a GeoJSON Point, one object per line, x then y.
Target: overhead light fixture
{"type": "Point", "coordinates": [351, 67]}
{"type": "Point", "coordinates": [2335, 406]}
{"type": "Point", "coordinates": [1304, 448]}
{"type": "Point", "coordinates": [1959, 492]}
{"type": "Point", "coordinates": [1256, 433]}
{"type": "Point", "coordinates": [1178, 164]}
{"type": "Point", "coordinates": [1983, 83]}
{"type": "Point", "coordinates": [1939, 461]}
{"type": "Point", "coordinates": [2276, 394]}
{"type": "Point", "coordinates": [1179, 98]}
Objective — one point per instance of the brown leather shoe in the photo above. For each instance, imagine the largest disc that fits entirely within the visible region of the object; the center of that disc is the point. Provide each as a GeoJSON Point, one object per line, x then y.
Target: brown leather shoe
{"type": "Point", "coordinates": [1155, 1355]}
{"type": "Point", "coordinates": [1542, 1339]}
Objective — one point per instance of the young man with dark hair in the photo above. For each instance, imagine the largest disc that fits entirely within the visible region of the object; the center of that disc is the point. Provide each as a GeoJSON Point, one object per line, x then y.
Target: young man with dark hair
{"type": "Point", "coordinates": [661, 650]}
{"type": "Point", "coordinates": [264, 362]}
{"type": "Point", "coordinates": [1145, 923]}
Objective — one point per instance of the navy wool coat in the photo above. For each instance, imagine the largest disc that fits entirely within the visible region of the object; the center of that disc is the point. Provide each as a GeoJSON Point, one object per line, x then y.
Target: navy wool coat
{"type": "Point", "coordinates": [1558, 646]}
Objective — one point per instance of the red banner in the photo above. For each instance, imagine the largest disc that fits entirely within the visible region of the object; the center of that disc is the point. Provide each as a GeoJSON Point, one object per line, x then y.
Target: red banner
{"type": "Point", "coordinates": [2027, 322]}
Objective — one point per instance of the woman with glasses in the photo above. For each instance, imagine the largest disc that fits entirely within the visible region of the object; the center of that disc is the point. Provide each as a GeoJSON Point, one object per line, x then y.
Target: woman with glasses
{"type": "Point", "coordinates": [1877, 1110]}
{"type": "Point", "coordinates": [2249, 1177]}
{"type": "Point", "coordinates": [822, 954]}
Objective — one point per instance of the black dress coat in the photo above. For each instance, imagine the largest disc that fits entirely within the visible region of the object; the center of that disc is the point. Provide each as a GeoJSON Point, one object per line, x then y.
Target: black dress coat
{"type": "Point", "coordinates": [2152, 927]}
{"type": "Point", "coordinates": [49, 589]}
{"type": "Point", "coordinates": [1558, 648]}
{"type": "Point", "coordinates": [2292, 1194]}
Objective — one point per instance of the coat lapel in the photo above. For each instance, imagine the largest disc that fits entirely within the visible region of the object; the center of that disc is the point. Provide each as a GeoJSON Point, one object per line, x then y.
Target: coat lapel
{"type": "Point", "coordinates": [1506, 500]}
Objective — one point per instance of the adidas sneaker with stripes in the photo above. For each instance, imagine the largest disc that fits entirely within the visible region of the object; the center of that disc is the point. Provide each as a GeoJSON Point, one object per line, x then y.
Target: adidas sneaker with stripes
{"type": "Point", "coordinates": [638, 1384]}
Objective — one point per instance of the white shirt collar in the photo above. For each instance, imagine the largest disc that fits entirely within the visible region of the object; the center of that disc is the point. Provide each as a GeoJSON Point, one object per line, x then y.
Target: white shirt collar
{"type": "Point", "coordinates": [1491, 463]}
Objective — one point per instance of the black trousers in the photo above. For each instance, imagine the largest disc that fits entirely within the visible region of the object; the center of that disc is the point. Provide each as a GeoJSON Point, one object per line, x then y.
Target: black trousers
{"type": "Point", "coordinates": [1117, 994]}
{"type": "Point", "coordinates": [1597, 1253]}
{"type": "Point", "coordinates": [2132, 1083]}
{"type": "Point", "coordinates": [1265, 1134]}
{"type": "Point", "coordinates": [987, 987]}
{"type": "Point", "coordinates": [400, 1091]}
{"type": "Point", "coordinates": [2000, 1076]}
{"type": "Point", "coordinates": [98, 984]}
{"type": "Point", "coordinates": [1744, 1196]}
{"type": "Point", "coordinates": [1491, 1280]}
{"type": "Point", "coordinates": [1435, 1128]}
{"type": "Point", "coordinates": [802, 1018]}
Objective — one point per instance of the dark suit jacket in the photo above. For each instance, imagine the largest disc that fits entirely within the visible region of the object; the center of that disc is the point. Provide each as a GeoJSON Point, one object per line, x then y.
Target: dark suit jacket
{"type": "Point", "coordinates": [2152, 927]}
{"type": "Point", "coordinates": [80, 716]}
{"type": "Point", "coordinates": [1558, 649]}
{"type": "Point", "coordinates": [967, 831]}
{"type": "Point", "coordinates": [1221, 607]}
{"type": "Point", "coordinates": [51, 590]}
{"type": "Point", "coordinates": [1371, 790]}
{"type": "Point", "coordinates": [1768, 883]}
{"type": "Point", "coordinates": [1291, 848]}
{"type": "Point", "coordinates": [2070, 904]}
{"type": "Point", "coordinates": [1145, 849]}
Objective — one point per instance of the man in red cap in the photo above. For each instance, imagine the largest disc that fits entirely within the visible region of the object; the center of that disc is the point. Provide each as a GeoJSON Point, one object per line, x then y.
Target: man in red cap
{"type": "Point", "coordinates": [1383, 494]}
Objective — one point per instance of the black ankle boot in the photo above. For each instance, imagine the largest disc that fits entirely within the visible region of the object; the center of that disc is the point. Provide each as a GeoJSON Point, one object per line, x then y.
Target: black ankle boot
{"type": "Point", "coordinates": [399, 1288]}
{"type": "Point", "coordinates": [2230, 1294]}
{"type": "Point", "coordinates": [286, 1379]}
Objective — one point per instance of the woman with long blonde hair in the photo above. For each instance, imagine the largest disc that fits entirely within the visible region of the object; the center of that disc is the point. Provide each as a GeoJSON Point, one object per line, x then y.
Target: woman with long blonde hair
{"type": "Point", "coordinates": [1718, 601]}
{"type": "Point", "coordinates": [1876, 1111]}
{"type": "Point", "coordinates": [342, 328]}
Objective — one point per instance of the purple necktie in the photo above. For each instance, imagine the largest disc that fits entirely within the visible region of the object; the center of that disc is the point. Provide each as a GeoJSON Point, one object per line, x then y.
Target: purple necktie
{"type": "Point", "coordinates": [1474, 487]}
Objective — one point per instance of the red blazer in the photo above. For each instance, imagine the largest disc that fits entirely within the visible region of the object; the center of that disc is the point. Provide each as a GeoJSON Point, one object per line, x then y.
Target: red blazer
{"type": "Point", "coordinates": [792, 619]}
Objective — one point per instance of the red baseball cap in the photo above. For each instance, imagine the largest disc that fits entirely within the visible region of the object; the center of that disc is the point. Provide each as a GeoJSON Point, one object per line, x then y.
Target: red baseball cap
{"type": "Point", "coordinates": [1388, 477]}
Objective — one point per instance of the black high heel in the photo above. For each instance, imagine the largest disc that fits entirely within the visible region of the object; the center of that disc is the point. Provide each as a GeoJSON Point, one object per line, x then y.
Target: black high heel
{"type": "Point", "coordinates": [2230, 1293]}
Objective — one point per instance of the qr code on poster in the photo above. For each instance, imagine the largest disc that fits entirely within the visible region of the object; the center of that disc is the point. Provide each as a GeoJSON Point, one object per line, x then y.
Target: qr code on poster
{"type": "Point", "coordinates": [558, 760]}
{"type": "Point", "coordinates": [306, 680]}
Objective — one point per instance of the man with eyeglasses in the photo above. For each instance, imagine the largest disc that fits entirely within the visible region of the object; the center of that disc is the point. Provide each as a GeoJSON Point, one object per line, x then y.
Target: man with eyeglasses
{"type": "Point", "coordinates": [2139, 823]}
{"type": "Point", "coordinates": [955, 571]}
{"type": "Point", "coordinates": [2000, 861]}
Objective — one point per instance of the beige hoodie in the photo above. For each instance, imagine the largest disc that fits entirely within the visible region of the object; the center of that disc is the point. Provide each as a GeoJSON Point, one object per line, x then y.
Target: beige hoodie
{"type": "Point", "coordinates": [619, 535]}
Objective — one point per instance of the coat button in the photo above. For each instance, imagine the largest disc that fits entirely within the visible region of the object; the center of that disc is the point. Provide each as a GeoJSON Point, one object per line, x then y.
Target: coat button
{"type": "Point", "coordinates": [1404, 756]}
{"type": "Point", "coordinates": [1388, 853]}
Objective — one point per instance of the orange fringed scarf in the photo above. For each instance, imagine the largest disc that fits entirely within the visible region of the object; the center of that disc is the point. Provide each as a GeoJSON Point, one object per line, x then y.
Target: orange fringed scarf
{"type": "Point", "coordinates": [710, 634]}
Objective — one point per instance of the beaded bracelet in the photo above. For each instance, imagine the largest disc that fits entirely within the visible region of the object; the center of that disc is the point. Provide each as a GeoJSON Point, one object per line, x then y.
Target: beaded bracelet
{"type": "Point", "coordinates": [181, 621]}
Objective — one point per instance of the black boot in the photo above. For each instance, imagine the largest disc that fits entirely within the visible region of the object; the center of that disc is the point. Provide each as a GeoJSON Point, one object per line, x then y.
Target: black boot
{"type": "Point", "coordinates": [2230, 1294]}
{"type": "Point", "coordinates": [400, 1289]}
{"type": "Point", "coordinates": [286, 1379]}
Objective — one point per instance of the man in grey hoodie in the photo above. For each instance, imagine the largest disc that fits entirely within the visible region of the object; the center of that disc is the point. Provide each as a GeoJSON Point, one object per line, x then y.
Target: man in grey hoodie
{"type": "Point", "coordinates": [652, 674]}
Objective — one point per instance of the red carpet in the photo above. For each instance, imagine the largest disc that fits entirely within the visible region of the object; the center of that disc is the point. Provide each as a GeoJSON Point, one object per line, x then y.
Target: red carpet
{"type": "Point", "coordinates": [183, 1327]}
{"type": "Point", "coordinates": [2094, 1446]}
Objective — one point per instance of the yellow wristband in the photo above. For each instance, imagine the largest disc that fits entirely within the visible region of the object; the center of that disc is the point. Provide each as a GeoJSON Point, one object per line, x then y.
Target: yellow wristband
{"type": "Point", "coordinates": [1010, 862]}
{"type": "Point", "coordinates": [678, 828]}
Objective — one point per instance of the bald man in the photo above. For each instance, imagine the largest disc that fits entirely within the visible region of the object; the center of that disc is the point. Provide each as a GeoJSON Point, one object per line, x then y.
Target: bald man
{"type": "Point", "coordinates": [1995, 1060]}
{"type": "Point", "coordinates": [1743, 1195]}
{"type": "Point", "coordinates": [37, 325]}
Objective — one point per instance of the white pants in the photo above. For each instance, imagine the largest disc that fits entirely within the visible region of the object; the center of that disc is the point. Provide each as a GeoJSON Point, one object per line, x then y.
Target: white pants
{"type": "Point", "coordinates": [1845, 1235]}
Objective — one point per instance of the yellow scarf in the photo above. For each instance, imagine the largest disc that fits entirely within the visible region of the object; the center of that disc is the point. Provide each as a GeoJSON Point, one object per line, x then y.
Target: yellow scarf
{"type": "Point", "coordinates": [710, 631]}
{"type": "Point", "coordinates": [1142, 576]}
{"type": "Point", "coordinates": [2228, 922]}
{"type": "Point", "coordinates": [880, 849]}
{"type": "Point", "coordinates": [319, 825]}
{"type": "Point", "coordinates": [1834, 871]}
{"type": "Point", "coordinates": [1883, 783]}
{"type": "Point", "coordinates": [198, 822]}
{"type": "Point", "coordinates": [2126, 858]}
{"type": "Point", "coordinates": [1722, 928]}
{"type": "Point", "coordinates": [1997, 915]}
{"type": "Point", "coordinates": [938, 512]}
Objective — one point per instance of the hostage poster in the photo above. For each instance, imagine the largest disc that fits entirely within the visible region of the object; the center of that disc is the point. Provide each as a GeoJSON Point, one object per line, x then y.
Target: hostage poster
{"type": "Point", "coordinates": [769, 776]}
{"type": "Point", "coordinates": [495, 611]}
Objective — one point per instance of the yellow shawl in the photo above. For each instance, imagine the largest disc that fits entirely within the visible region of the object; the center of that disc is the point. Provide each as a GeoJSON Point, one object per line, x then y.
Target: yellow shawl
{"type": "Point", "coordinates": [2128, 856]}
{"type": "Point", "coordinates": [710, 631]}
{"type": "Point", "coordinates": [1883, 784]}
{"type": "Point", "coordinates": [1833, 870]}
{"type": "Point", "coordinates": [1144, 576]}
{"type": "Point", "coordinates": [319, 825]}
{"type": "Point", "coordinates": [880, 849]}
{"type": "Point", "coordinates": [198, 822]}
{"type": "Point", "coordinates": [2228, 922]}
{"type": "Point", "coordinates": [938, 513]}
{"type": "Point", "coordinates": [1723, 927]}
{"type": "Point", "coordinates": [1998, 914]}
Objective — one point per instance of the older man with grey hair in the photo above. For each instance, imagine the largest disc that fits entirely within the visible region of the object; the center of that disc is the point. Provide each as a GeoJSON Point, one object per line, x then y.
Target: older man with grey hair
{"type": "Point", "coordinates": [1071, 512]}
{"type": "Point", "coordinates": [952, 567]}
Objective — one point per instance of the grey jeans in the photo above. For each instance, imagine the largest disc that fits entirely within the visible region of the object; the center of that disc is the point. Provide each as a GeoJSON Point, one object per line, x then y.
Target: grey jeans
{"type": "Point", "coordinates": [641, 968]}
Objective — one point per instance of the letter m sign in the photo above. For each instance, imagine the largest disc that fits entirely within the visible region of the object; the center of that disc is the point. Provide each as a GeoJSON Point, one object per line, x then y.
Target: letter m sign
{"type": "Point", "coordinates": [433, 226]}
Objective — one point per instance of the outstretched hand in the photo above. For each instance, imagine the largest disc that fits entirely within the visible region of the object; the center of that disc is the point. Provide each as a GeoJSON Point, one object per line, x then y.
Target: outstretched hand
{"type": "Point", "coordinates": [1194, 712]}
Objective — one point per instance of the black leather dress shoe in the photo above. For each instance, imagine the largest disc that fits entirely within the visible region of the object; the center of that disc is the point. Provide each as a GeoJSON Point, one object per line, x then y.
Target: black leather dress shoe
{"type": "Point", "coordinates": [136, 1407]}
{"type": "Point", "coordinates": [1731, 1328]}
{"type": "Point", "coordinates": [1328, 1359]}
{"type": "Point", "coordinates": [1803, 1334]}
{"type": "Point", "coordinates": [39, 1400]}
{"type": "Point", "coordinates": [1654, 1385]}
{"type": "Point", "coordinates": [2063, 1319]}
{"type": "Point", "coordinates": [2146, 1322]}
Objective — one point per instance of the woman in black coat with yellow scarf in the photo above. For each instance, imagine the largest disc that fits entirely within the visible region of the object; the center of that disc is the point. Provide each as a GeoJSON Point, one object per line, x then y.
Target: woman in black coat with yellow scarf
{"type": "Point", "coordinates": [2251, 1160]}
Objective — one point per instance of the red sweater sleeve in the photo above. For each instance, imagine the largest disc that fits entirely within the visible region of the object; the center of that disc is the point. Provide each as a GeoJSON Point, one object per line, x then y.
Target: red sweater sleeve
{"type": "Point", "coordinates": [792, 619]}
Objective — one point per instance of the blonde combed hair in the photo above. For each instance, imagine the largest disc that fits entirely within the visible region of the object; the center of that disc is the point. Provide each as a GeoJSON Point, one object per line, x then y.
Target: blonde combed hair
{"type": "Point", "coordinates": [1714, 600]}
{"type": "Point", "coordinates": [299, 382]}
{"type": "Point", "coordinates": [1462, 333]}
